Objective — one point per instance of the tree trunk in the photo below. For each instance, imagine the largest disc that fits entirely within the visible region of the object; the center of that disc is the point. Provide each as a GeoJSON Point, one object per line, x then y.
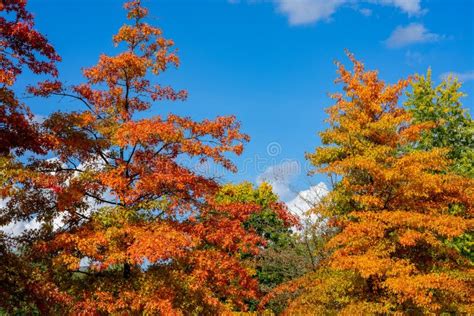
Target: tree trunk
{"type": "Point", "coordinates": [126, 270]}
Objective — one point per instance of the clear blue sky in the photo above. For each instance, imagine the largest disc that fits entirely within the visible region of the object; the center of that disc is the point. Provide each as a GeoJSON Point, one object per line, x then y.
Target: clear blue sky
{"type": "Point", "coordinates": [271, 62]}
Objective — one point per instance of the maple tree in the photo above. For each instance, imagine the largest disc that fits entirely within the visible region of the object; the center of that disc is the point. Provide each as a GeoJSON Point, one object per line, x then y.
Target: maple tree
{"type": "Point", "coordinates": [126, 226]}
{"type": "Point", "coordinates": [22, 46]}
{"type": "Point", "coordinates": [392, 207]}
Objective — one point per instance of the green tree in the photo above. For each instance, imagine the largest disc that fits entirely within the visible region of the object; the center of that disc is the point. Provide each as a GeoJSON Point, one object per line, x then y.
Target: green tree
{"type": "Point", "coordinates": [453, 129]}
{"type": "Point", "coordinates": [285, 255]}
{"type": "Point", "coordinates": [272, 222]}
{"type": "Point", "coordinates": [453, 126]}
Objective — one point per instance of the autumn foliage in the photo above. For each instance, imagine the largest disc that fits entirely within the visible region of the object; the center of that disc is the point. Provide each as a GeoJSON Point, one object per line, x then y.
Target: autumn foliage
{"type": "Point", "coordinates": [127, 226]}
{"type": "Point", "coordinates": [22, 46]}
{"type": "Point", "coordinates": [394, 209]}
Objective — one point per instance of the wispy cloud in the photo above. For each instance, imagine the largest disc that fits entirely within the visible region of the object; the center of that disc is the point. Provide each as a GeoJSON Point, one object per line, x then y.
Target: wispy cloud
{"type": "Point", "coordinates": [461, 76]}
{"type": "Point", "coordinates": [308, 11]}
{"type": "Point", "coordinates": [300, 12]}
{"type": "Point", "coordinates": [411, 7]}
{"type": "Point", "coordinates": [413, 33]}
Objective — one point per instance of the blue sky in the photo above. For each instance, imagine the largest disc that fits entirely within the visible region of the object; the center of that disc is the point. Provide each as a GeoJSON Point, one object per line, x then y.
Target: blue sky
{"type": "Point", "coordinates": [270, 62]}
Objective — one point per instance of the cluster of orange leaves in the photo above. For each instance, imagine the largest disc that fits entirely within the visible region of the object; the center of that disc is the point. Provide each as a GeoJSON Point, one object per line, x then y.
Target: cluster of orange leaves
{"type": "Point", "coordinates": [129, 226]}
{"type": "Point", "coordinates": [394, 208]}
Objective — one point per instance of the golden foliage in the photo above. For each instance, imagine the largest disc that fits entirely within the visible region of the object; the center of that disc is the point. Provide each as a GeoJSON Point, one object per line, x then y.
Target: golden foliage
{"type": "Point", "coordinates": [394, 207]}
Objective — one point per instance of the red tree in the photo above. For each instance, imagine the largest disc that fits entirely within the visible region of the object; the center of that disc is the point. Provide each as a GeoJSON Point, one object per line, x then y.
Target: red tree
{"type": "Point", "coordinates": [120, 199]}
{"type": "Point", "coordinates": [21, 46]}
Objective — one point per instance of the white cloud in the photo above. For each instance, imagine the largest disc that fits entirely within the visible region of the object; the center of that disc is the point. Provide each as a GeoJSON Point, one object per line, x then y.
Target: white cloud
{"type": "Point", "coordinates": [280, 178]}
{"type": "Point", "coordinates": [308, 11]}
{"type": "Point", "coordinates": [411, 34]}
{"type": "Point", "coordinates": [461, 76]}
{"type": "Point", "coordinates": [19, 227]}
{"type": "Point", "coordinates": [412, 7]}
{"type": "Point", "coordinates": [302, 12]}
{"type": "Point", "coordinates": [307, 199]}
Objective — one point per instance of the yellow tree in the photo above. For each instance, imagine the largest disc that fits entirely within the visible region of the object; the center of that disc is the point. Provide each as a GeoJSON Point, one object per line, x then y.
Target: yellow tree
{"type": "Point", "coordinates": [393, 208]}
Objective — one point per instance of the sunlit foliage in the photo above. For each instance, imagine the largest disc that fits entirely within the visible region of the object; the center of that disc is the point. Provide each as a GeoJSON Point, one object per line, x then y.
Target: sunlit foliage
{"type": "Point", "coordinates": [393, 208]}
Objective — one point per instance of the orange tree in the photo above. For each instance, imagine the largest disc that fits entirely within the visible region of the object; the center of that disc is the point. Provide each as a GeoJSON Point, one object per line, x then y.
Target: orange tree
{"type": "Point", "coordinates": [392, 207]}
{"type": "Point", "coordinates": [127, 226]}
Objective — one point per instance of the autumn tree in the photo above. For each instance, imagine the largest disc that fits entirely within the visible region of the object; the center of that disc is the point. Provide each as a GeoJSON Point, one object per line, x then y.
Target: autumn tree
{"type": "Point", "coordinates": [284, 256]}
{"type": "Point", "coordinates": [22, 47]}
{"type": "Point", "coordinates": [128, 226]}
{"type": "Point", "coordinates": [273, 222]}
{"type": "Point", "coordinates": [392, 207]}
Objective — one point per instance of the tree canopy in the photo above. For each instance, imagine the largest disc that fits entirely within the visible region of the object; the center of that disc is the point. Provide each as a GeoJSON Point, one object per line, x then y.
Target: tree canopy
{"type": "Point", "coordinates": [123, 222]}
{"type": "Point", "coordinates": [392, 207]}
